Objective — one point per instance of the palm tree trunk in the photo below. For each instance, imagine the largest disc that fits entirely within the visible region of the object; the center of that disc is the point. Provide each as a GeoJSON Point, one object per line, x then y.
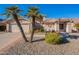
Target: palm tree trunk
{"type": "Point", "coordinates": [20, 27]}
{"type": "Point", "coordinates": [33, 28]}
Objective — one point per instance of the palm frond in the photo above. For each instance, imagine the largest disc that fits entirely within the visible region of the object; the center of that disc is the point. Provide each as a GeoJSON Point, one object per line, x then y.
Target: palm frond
{"type": "Point", "coordinates": [10, 10]}
{"type": "Point", "coordinates": [19, 11]}
{"type": "Point", "coordinates": [33, 11]}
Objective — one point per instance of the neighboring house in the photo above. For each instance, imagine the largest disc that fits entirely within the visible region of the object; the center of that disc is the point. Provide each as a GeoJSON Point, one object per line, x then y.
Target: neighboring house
{"type": "Point", "coordinates": [59, 25]}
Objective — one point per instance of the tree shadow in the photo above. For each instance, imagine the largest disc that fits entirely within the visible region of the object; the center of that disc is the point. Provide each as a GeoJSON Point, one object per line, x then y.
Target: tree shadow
{"type": "Point", "coordinates": [65, 37]}
{"type": "Point", "coordinates": [70, 36]}
{"type": "Point", "coordinates": [64, 40]}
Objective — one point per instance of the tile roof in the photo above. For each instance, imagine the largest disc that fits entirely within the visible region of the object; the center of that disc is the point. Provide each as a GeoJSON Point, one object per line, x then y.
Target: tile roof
{"type": "Point", "coordinates": [23, 21]}
{"type": "Point", "coordinates": [50, 21]}
{"type": "Point", "coordinates": [75, 20]}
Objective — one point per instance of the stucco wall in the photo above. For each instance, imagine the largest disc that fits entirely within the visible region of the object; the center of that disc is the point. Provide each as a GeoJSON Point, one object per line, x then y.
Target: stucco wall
{"type": "Point", "coordinates": [69, 27]}
{"type": "Point", "coordinates": [56, 26]}
{"type": "Point", "coordinates": [49, 27]}
{"type": "Point", "coordinates": [73, 27]}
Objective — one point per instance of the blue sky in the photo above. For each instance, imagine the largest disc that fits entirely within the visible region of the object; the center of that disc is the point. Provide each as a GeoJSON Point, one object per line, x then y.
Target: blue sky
{"type": "Point", "coordinates": [50, 10]}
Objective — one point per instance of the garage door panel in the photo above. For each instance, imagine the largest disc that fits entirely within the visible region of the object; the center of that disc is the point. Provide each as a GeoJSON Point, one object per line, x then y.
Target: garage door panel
{"type": "Point", "coordinates": [16, 29]}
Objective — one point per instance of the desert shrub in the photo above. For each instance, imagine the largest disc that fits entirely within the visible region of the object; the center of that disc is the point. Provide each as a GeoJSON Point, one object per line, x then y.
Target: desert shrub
{"type": "Point", "coordinates": [53, 38]}
{"type": "Point", "coordinates": [76, 26]}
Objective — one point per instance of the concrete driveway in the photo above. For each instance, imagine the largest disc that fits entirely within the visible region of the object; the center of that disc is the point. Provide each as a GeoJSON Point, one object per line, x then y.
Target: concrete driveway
{"type": "Point", "coordinates": [7, 38]}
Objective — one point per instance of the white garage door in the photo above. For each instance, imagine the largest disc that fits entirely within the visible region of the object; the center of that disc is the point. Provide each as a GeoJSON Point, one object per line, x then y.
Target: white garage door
{"type": "Point", "coordinates": [25, 28]}
{"type": "Point", "coordinates": [16, 29]}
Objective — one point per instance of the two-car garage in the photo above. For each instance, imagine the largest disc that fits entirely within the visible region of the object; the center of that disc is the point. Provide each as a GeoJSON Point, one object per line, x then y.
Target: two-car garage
{"type": "Point", "coordinates": [11, 26]}
{"type": "Point", "coordinates": [15, 28]}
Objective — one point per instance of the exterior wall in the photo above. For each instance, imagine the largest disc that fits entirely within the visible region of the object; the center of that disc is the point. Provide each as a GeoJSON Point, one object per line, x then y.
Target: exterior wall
{"type": "Point", "coordinates": [45, 27]}
{"type": "Point", "coordinates": [49, 27]}
{"type": "Point", "coordinates": [69, 27]}
{"type": "Point", "coordinates": [74, 28]}
{"type": "Point", "coordinates": [52, 27]}
{"type": "Point", "coordinates": [8, 28]}
{"type": "Point", "coordinates": [26, 27]}
{"type": "Point", "coordinates": [56, 26]}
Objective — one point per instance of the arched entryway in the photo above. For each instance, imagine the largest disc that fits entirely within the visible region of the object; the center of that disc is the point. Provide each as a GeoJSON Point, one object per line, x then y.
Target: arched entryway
{"type": "Point", "coordinates": [62, 25]}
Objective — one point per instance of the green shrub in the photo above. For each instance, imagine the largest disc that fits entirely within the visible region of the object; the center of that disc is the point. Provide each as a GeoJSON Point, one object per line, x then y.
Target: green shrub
{"type": "Point", "coordinates": [53, 38]}
{"type": "Point", "coordinates": [76, 26]}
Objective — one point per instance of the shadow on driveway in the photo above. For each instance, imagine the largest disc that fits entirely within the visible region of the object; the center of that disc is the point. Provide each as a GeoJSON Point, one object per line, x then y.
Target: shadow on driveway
{"type": "Point", "coordinates": [73, 36]}
{"type": "Point", "coordinates": [38, 40]}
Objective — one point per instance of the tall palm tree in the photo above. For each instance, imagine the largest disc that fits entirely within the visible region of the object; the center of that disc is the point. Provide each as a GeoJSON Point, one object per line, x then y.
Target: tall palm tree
{"type": "Point", "coordinates": [34, 14]}
{"type": "Point", "coordinates": [14, 11]}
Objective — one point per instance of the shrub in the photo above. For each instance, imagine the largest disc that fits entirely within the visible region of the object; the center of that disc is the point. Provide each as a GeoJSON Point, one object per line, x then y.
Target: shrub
{"type": "Point", "coordinates": [53, 38]}
{"type": "Point", "coordinates": [76, 26]}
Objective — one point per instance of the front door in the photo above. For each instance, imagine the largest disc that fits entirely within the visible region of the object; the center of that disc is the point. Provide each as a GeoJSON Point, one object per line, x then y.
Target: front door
{"type": "Point", "coordinates": [62, 27]}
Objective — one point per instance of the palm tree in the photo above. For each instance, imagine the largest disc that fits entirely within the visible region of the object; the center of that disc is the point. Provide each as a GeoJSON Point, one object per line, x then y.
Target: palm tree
{"type": "Point", "coordinates": [34, 14]}
{"type": "Point", "coordinates": [14, 11]}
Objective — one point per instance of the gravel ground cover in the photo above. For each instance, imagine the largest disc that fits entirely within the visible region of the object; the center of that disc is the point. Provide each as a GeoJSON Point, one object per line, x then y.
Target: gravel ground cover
{"type": "Point", "coordinates": [40, 47]}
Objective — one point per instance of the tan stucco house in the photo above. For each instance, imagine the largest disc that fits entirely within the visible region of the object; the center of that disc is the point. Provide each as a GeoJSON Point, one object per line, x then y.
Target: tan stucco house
{"type": "Point", "coordinates": [59, 25]}
{"type": "Point", "coordinates": [11, 26]}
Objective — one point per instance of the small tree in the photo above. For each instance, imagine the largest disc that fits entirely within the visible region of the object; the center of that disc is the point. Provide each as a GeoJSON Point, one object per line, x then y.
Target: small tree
{"type": "Point", "coordinates": [14, 12]}
{"type": "Point", "coordinates": [34, 14]}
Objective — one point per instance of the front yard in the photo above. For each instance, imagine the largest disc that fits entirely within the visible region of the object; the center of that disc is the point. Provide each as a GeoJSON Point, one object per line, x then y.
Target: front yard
{"type": "Point", "coordinates": [40, 47]}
